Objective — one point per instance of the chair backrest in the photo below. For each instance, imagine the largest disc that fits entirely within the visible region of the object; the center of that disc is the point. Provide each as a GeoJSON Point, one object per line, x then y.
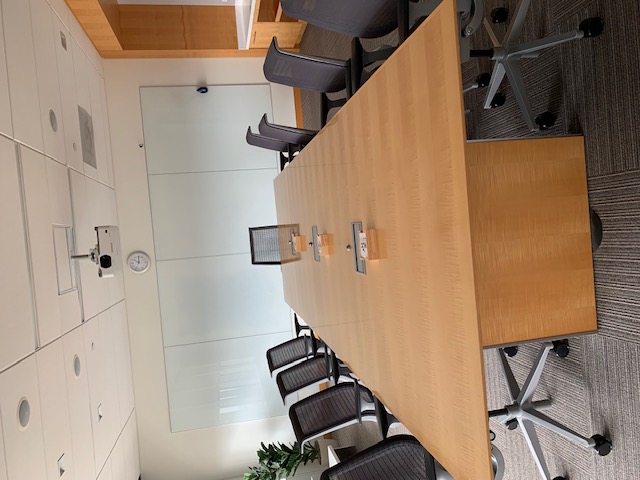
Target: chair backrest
{"type": "Point", "coordinates": [303, 374]}
{"type": "Point", "coordinates": [266, 142]}
{"type": "Point", "coordinates": [296, 136]}
{"type": "Point", "coordinates": [288, 352]}
{"type": "Point", "coordinates": [327, 410]}
{"type": "Point", "coordinates": [265, 245]}
{"type": "Point", "coordinates": [400, 457]}
{"type": "Point", "coordinates": [356, 18]}
{"type": "Point", "coordinates": [306, 71]}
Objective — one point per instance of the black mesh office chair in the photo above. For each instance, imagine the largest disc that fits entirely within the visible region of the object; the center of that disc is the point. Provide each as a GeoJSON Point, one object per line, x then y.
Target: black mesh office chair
{"type": "Point", "coordinates": [292, 135]}
{"type": "Point", "coordinates": [291, 351]}
{"type": "Point", "coordinates": [312, 371]}
{"type": "Point", "coordinates": [328, 410]}
{"type": "Point", "coordinates": [285, 149]}
{"type": "Point", "coordinates": [400, 457]}
{"type": "Point", "coordinates": [324, 366]}
{"type": "Point", "coordinates": [325, 75]}
{"type": "Point", "coordinates": [265, 245]}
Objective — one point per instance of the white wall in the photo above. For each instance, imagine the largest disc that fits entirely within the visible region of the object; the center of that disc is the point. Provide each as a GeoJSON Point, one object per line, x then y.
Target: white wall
{"type": "Point", "coordinates": [64, 350]}
{"type": "Point", "coordinates": [212, 453]}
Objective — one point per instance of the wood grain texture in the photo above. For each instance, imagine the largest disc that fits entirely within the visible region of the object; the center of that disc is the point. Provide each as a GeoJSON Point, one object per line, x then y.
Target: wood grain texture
{"type": "Point", "coordinates": [289, 34]}
{"type": "Point", "coordinates": [177, 27]}
{"type": "Point", "coordinates": [210, 27]}
{"type": "Point", "coordinates": [531, 239]}
{"type": "Point", "coordinates": [480, 244]}
{"type": "Point", "coordinates": [95, 23]}
{"type": "Point", "coordinates": [297, 101]}
{"type": "Point", "coordinates": [215, 53]}
{"type": "Point", "coordinates": [394, 158]}
{"type": "Point", "coordinates": [112, 11]}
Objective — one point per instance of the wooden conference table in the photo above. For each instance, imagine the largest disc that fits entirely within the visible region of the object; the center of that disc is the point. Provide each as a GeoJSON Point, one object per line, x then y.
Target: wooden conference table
{"type": "Point", "coordinates": [480, 244]}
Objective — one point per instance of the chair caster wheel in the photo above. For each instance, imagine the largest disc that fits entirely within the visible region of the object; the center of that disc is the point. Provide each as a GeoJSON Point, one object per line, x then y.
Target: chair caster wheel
{"type": "Point", "coordinates": [592, 27]}
{"type": "Point", "coordinates": [512, 424]}
{"type": "Point", "coordinates": [492, 435]}
{"type": "Point", "coordinates": [603, 445]}
{"type": "Point", "coordinates": [511, 351]}
{"type": "Point", "coordinates": [546, 120]}
{"type": "Point", "coordinates": [561, 348]}
{"type": "Point", "coordinates": [500, 15]}
{"type": "Point", "coordinates": [483, 80]}
{"type": "Point", "coordinates": [498, 100]}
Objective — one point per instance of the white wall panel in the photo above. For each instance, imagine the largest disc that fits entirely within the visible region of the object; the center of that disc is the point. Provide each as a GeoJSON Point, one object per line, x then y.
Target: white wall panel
{"type": "Point", "coordinates": [16, 318]}
{"type": "Point", "coordinates": [48, 203]}
{"type": "Point", "coordinates": [215, 208]}
{"type": "Point", "coordinates": [21, 64]}
{"type": "Point", "coordinates": [5, 104]}
{"type": "Point", "coordinates": [41, 243]}
{"type": "Point", "coordinates": [123, 361]}
{"type": "Point", "coordinates": [56, 425]}
{"type": "Point", "coordinates": [93, 204]}
{"type": "Point", "coordinates": [64, 55]}
{"type": "Point", "coordinates": [22, 428]}
{"type": "Point", "coordinates": [48, 86]}
{"type": "Point", "coordinates": [61, 10]}
{"type": "Point", "coordinates": [218, 383]}
{"type": "Point", "coordinates": [217, 298]}
{"type": "Point", "coordinates": [106, 473]}
{"type": "Point", "coordinates": [118, 465]}
{"type": "Point", "coordinates": [100, 127]}
{"type": "Point", "coordinates": [101, 365]}
{"type": "Point", "coordinates": [131, 454]}
{"type": "Point", "coordinates": [75, 367]}
{"type": "Point", "coordinates": [186, 131]}
{"type": "Point", "coordinates": [82, 68]}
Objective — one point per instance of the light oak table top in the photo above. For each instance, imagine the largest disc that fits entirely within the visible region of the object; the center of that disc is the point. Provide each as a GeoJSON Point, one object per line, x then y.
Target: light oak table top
{"type": "Point", "coordinates": [480, 244]}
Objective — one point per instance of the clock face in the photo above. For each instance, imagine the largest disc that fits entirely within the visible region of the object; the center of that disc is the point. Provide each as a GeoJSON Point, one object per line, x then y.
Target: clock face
{"type": "Point", "coordinates": [139, 262]}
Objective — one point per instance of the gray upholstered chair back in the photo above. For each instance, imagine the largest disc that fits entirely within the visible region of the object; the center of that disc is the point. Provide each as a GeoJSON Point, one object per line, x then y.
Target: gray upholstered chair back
{"type": "Point", "coordinates": [356, 18]}
{"type": "Point", "coordinates": [296, 136]}
{"type": "Point", "coordinates": [305, 71]}
{"type": "Point", "coordinates": [266, 142]}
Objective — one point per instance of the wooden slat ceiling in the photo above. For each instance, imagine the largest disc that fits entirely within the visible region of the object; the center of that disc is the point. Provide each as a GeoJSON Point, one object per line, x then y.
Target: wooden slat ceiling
{"type": "Point", "coordinates": [159, 31]}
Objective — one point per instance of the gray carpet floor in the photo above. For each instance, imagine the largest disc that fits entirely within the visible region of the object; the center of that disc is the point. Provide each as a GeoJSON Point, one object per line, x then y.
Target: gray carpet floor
{"type": "Point", "coordinates": [592, 87]}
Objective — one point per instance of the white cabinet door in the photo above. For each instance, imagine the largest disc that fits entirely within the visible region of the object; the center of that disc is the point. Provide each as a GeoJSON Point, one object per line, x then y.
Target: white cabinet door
{"type": "Point", "coordinates": [75, 366]}
{"type": "Point", "coordinates": [118, 467]}
{"type": "Point", "coordinates": [131, 453]}
{"type": "Point", "coordinates": [123, 361]}
{"type": "Point", "coordinates": [66, 75]}
{"type": "Point", "coordinates": [94, 204]}
{"type": "Point", "coordinates": [21, 64]}
{"type": "Point", "coordinates": [55, 412]}
{"type": "Point", "coordinates": [21, 421]}
{"type": "Point", "coordinates": [48, 86]}
{"type": "Point", "coordinates": [16, 317]}
{"type": "Point", "coordinates": [100, 124]}
{"type": "Point", "coordinates": [103, 385]}
{"type": "Point", "coordinates": [34, 171]}
{"type": "Point", "coordinates": [82, 66]}
{"type": "Point", "coordinates": [5, 104]}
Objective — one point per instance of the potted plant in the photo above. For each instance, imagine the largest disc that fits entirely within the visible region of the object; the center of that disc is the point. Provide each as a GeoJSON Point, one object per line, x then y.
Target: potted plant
{"type": "Point", "coordinates": [276, 461]}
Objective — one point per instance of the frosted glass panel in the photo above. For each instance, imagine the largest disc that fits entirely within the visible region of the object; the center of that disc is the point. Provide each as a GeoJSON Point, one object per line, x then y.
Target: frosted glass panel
{"type": "Point", "coordinates": [187, 131]}
{"type": "Point", "coordinates": [217, 298]}
{"type": "Point", "coordinates": [219, 312]}
{"type": "Point", "coordinates": [218, 383]}
{"type": "Point", "coordinates": [209, 213]}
